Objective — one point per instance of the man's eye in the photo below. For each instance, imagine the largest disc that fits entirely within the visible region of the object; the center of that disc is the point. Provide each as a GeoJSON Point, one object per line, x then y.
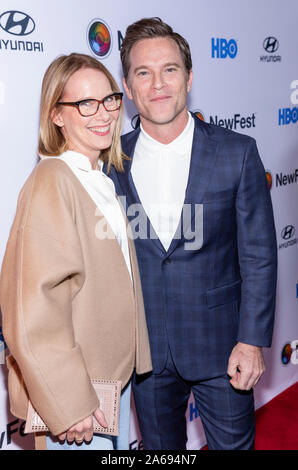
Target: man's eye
{"type": "Point", "coordinates": [142, 73]}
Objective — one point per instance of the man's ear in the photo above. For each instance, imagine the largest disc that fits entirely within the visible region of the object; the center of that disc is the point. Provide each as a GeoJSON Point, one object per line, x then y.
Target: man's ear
{"type": "Point", "coordinates": [127, 88]}
{"type": "Point", "coordinates": [56, 117]}
{"type": "Point", "coordinates": [189, 81]}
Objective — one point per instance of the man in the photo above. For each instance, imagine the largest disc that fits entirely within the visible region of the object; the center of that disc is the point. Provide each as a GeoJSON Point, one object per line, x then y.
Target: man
{"type": "Point", "coordinates": [208, 260]}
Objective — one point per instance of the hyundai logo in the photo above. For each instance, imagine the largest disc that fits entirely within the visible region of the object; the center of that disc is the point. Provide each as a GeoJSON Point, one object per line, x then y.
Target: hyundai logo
{"type": "Point", "coordinates": [17, 23]}
{"type": "Point", "coordinates": [288, 232]}
{"type": "Point", "coordinates": [271, 44]}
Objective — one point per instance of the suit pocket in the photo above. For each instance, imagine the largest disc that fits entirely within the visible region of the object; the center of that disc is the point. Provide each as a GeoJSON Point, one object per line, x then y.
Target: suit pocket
{"type": "Point", "coordinates": [224, 294]}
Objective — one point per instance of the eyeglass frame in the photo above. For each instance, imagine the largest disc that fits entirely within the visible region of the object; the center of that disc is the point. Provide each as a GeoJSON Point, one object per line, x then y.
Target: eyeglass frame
{"type": "Point", "coordinates": [76, 104]}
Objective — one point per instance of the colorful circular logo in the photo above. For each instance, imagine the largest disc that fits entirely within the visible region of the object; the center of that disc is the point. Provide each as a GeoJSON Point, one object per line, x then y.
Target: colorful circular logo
{"type": "Point", "coordinates": [286, 354]}
{"type": "Point", "coordinates": [269, 179]}
{"type": "Point", "coordinates": [199, 114]}
{"type": "Point", "coordinates": [99, 38]}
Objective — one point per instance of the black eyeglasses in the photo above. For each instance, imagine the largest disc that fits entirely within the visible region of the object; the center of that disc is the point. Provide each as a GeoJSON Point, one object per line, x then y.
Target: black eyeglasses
{"type": "Point", "coordinates": [90, 107]}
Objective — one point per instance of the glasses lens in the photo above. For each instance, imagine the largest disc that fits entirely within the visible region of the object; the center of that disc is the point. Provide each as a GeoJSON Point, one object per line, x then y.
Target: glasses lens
{"type": "Point", "coordinates": [112, 102]}
{"type": "Point", "coordinates": [88, 107]}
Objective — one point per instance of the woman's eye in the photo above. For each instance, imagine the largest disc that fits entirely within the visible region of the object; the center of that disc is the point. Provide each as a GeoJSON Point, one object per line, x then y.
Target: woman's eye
{"type": "Point", "coordinates": [87, 103]}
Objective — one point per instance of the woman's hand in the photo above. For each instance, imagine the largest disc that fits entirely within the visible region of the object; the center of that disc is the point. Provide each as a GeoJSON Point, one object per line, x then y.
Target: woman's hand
{"type": "Point", "coordinates": [84, 429]}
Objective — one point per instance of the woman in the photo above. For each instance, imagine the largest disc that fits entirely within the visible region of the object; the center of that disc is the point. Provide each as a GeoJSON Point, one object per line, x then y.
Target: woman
{"type": "Point", "coordinates": [70, 290]}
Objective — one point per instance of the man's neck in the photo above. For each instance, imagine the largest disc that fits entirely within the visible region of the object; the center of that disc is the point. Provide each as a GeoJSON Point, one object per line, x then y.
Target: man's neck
{"type": "Point", "coordinates": [166, 133]}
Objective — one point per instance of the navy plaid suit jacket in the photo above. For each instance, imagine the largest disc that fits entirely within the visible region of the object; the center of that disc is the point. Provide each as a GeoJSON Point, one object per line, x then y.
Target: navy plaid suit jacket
{"type": "Point", "coordinates": [202, 301]}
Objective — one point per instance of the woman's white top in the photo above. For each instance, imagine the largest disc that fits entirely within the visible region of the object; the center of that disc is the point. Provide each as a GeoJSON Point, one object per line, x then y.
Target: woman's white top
{"type": "Point", "coordinates": [101, 189]}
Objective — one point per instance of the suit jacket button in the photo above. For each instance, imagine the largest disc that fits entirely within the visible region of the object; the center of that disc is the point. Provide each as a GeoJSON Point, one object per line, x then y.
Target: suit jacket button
{"type": "Point", "coordinates": [167, 261]}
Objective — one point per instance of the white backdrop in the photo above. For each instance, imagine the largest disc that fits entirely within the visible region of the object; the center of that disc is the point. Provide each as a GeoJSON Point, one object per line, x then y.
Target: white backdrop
{"type": "Point", "coordinates": [245, 77]}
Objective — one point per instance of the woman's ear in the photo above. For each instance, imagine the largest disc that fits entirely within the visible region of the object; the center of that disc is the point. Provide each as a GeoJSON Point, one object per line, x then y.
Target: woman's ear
{"type": "Point", "coordinates": [56, 117]}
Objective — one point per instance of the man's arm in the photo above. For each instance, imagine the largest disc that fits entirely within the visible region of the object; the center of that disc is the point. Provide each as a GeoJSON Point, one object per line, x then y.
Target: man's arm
{"type": "Point", "coordinates": [258, 267]}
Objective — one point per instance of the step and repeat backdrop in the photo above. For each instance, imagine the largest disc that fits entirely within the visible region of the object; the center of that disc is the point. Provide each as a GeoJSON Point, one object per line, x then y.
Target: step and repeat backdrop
{"type": "Point", "coordinates": [245, 78]}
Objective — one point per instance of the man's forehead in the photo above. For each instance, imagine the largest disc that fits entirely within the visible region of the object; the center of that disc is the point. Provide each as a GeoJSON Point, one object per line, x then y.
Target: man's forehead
{"type": "Point", "coordinates": [160, 48]}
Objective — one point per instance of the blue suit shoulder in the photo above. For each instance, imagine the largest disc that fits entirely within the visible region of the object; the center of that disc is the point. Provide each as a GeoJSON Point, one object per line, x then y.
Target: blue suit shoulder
{"type": "Point", "coordinates": [223, 134]}
{"type": "Point", "coordinates": [217, 133]}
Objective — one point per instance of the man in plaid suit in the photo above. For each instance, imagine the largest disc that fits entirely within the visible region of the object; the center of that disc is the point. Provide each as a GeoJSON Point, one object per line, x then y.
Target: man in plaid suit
{"type": "Point", "coordinates": [198, 202]}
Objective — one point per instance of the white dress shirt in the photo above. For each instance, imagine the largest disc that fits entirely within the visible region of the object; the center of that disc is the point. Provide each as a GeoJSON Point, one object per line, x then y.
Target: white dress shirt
{"type": "Point", "coordinates": [160, 174]}
{"type": "Point", "coordinates": [101, 189]}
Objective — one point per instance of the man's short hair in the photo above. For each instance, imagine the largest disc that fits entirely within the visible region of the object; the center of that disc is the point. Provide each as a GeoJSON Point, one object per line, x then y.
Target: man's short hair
{"type": "Point", "coordinates": [148, 28]}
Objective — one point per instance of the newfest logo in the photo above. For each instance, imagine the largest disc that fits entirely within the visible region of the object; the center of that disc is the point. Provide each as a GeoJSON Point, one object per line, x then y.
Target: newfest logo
{"type": "Point", "coordinates": [13, 427]}
{"type": "Point", "coordinates": [290, 115]}
{"type": "Point", "coordinates": [289, 353]}
{"type": "Point", "coordinates": [269, 178]}
{"type": "Point", "coordinates": [20, 24]}
{"type": "Point", "coordinates": [270, 45]}
{"type": "Point", "coordinates": [190, 226]}
{"type": "Point", "coordinates": [282, 179]}
{"type": "Point", "coordinates": [235, 122]}
{"type": "Point", "coordinates": [199, 114]}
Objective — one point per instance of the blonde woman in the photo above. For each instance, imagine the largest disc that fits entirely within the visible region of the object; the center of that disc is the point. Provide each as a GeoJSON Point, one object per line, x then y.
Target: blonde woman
{"type": "Point", "coordinates": [70, 291]}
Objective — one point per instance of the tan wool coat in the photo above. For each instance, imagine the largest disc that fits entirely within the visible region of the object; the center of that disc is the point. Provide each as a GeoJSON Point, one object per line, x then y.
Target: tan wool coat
{"type": "Point", "coordinates": [70, 311]}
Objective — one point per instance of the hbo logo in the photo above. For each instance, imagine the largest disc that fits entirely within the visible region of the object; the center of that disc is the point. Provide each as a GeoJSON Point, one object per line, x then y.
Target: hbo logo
{"type": "Point", "coordinates": [221, 48]}
{"type": "Point", "coordinates": [287, 116]}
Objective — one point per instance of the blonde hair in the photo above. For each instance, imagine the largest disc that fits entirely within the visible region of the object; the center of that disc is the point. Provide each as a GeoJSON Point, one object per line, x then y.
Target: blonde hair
{"type": "Point", "coordinates": [52, 141]}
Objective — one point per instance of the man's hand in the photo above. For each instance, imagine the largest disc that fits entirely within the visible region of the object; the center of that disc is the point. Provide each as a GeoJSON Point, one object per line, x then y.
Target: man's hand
{"type": "Point", "coordinates": [246, 365]}
{"type": "Point", "coordinates": [84, 429]}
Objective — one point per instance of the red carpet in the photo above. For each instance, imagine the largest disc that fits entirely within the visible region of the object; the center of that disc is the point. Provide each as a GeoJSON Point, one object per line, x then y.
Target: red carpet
{"type": "Point", "coordinates": [277, 422]}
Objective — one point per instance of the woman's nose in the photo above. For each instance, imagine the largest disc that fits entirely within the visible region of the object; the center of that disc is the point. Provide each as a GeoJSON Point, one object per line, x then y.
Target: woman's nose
{"type": "Point", "coordinates": [102, 113]}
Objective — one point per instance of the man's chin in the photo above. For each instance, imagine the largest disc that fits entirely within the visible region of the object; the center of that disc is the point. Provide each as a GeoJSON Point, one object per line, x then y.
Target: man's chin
{"type": "Point", "coordinates": [160, 119]}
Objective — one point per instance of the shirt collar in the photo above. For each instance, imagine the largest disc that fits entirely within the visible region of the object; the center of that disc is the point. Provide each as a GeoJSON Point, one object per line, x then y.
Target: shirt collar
{"type": "Point", "coordinates": [178, 146]}
{"type": "Point", "coordinates": [77, 160]}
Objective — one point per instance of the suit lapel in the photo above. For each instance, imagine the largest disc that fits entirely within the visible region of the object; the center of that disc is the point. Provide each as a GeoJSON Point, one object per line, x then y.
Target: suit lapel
{"type": "Point", "coordinates": [203, 157]}
{"type": "Point", "coordinates": [202, 163]}
{"type": "Point", "coordinates": [125, 179]}
{"type": "Point", "coordinates": [128, 187]}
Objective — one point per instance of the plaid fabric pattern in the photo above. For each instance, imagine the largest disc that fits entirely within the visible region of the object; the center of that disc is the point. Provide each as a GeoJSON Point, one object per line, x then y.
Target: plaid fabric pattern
{"type": "Point", "coordinates": [202, 301]}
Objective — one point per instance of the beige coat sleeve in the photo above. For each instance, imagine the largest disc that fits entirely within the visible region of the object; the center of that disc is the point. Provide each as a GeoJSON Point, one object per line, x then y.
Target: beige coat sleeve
{"type": "Point", "coordinates": [43, 269]}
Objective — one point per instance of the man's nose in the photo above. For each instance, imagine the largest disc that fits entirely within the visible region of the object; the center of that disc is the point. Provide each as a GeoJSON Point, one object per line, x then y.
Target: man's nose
{"type": "Point", "coordinates": [158, 80]}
